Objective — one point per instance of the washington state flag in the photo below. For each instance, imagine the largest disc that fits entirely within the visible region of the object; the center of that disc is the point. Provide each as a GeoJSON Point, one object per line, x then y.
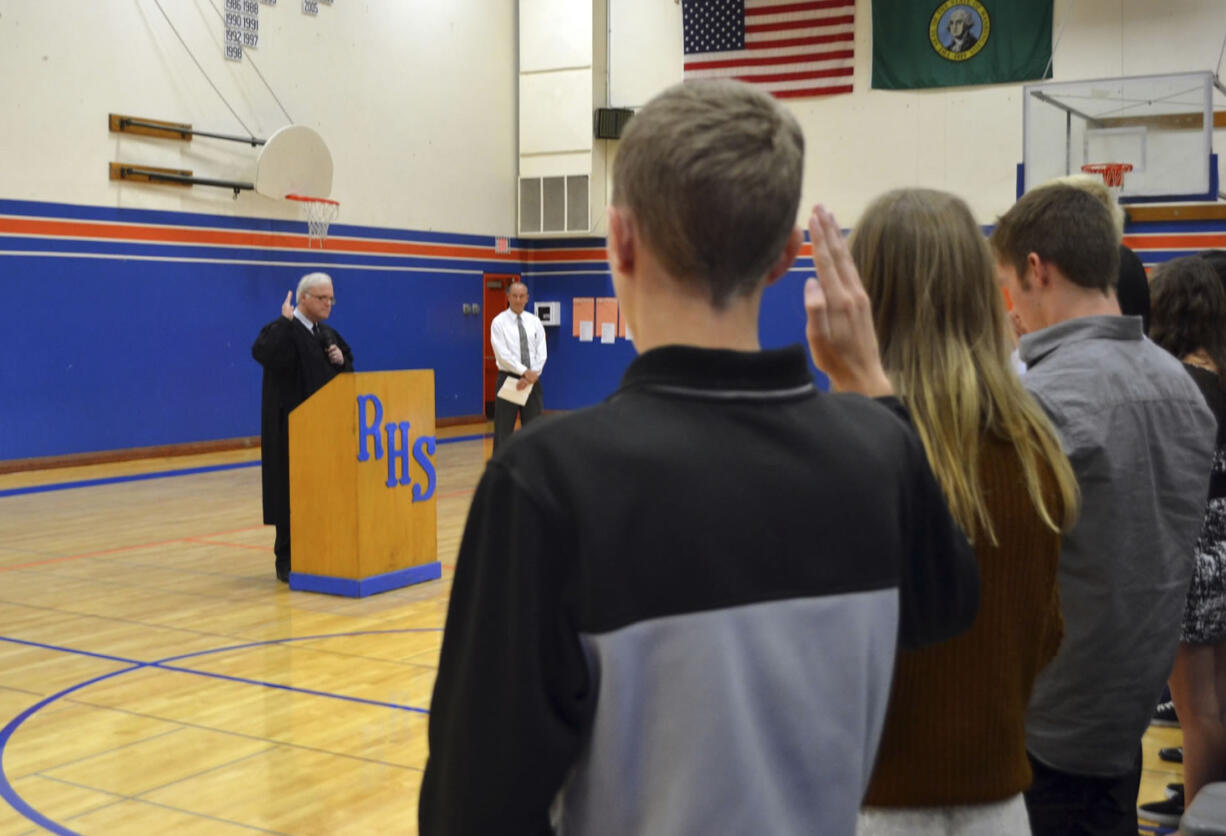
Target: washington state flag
{"type": "Point", "coordinates": [949, 44]}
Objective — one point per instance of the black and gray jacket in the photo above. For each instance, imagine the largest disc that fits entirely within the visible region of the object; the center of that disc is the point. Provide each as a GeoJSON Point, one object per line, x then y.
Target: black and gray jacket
{"type": "Point", "coordinates": [677, 611]}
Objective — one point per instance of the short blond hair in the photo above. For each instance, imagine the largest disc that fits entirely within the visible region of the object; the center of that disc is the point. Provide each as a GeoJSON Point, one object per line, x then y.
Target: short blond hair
{"type": "Point", "coordinates": [710, 173]}
{"type": "Point", "coordinates": [1095, 186]}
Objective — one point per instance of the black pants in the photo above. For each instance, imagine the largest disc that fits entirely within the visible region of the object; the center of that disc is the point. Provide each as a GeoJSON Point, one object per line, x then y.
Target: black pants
{"type": "Point", "coordinates": [1065, 804]}
{"type": "Point", "coordinates": [280, 549]}
{"type": "Point", "coordinates": [505, 411]}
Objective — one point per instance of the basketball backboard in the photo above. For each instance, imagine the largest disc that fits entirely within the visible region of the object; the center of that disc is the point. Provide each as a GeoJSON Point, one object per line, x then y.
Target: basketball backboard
{"type": "Point", "coordinates": [294, 160]}
{"type": "Point", "coordinates": [1163, 125]}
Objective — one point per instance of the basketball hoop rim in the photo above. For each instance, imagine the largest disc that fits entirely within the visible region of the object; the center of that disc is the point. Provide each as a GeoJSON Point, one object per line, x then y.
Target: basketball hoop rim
{"type": "Point", "coordinates": [1102, 168]}
{"type": "Point", "coordinates": [1112, 174]}
{"type": "Point", "coordinates": [301, 198]}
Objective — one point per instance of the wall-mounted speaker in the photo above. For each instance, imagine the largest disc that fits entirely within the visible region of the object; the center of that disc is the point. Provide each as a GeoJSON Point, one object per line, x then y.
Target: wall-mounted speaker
{"type": "Point", "coordinates": [611, 121]}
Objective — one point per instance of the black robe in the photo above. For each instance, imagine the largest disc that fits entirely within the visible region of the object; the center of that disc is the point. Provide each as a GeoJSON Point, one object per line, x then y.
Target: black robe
{"type": "Point", "coordinates": [295, 367]}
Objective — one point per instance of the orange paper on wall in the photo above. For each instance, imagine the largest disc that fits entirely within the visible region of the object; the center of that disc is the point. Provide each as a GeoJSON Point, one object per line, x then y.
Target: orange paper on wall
{"type": "Point", "coordinates": [606, 312]}
{"type": "Point", "coordinates": [583, 309]}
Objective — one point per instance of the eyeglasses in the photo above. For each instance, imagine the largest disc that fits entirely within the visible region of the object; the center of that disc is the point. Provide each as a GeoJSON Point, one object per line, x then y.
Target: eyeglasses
{"type": "Point", "coordinates": [331, 300]}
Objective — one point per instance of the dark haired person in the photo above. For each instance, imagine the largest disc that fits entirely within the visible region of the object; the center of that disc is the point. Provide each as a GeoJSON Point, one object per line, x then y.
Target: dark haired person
{"type": "Point", "coordinates": [1140, 439]}
{"type": "Point", "coordinates": [677, 611]}
{"type": "Point", "coordinates": [1189, 321]}
{"type": "Point", "coordinates": [1217, 260]}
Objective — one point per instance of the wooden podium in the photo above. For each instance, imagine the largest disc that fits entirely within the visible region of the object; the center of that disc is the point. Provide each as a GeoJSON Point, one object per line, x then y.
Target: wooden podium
{"type": "Point", "coordinates": [362, 483]}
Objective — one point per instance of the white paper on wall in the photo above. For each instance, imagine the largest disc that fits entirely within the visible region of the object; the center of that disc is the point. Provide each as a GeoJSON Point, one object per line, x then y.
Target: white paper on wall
{"type": "Point", "coordinates": [585, 331]}
{"type": "Point", "coordinates": [251, 24]}
{"type": "Point", "coordinates": [232, 21]}
{"type": "Point", "coordinates": [608, 332]}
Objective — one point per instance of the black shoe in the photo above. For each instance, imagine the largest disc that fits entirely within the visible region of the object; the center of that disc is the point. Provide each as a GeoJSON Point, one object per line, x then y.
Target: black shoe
{"type": "Point", "coordinates": [1174, 791]}
{"type": "Point", "coordinates": [1164, 715]}
{"type": "Point", "coordinates": [283, 574]}
{"type": "Point", "coordinates": [1171, 754]}
{"type": "Point", "coordinates": [1166, 813]}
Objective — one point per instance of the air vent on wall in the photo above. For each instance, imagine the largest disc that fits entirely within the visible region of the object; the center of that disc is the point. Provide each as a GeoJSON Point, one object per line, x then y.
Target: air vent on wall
{"type": "Point", "coordinates": [553, 204]}
{"type": "Point", "coordinates": [609, 122]}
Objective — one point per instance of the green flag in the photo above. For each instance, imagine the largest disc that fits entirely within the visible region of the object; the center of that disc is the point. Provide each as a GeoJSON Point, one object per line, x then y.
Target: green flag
{"type": "Point", "coordinates": [949, 44]}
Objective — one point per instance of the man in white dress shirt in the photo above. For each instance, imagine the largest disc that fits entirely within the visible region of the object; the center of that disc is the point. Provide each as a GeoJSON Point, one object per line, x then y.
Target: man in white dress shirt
{"type": "Point", "coordinates": [518, 340]}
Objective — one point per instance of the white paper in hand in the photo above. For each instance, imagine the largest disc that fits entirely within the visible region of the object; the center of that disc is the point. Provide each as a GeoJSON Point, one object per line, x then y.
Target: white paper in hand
{"type": "Point", "coordinates": [509, 392]}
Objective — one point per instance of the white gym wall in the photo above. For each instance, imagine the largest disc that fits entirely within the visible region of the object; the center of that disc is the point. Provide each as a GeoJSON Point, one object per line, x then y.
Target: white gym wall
{"type": "Point", "coordinates": [964, 140]}
{"type": "Point", "coordinates": [415, 98]}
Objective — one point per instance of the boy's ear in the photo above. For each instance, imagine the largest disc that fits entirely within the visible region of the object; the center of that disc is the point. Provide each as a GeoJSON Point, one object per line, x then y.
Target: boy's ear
{"type": "Point", "coordinates": [623, 244]}
{"type": "Point", "coordinates": [790, 251]}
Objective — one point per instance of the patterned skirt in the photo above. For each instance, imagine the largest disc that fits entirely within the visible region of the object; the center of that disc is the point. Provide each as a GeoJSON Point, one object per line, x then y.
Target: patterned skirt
{"type": "Point", "coordinates": [1204, 615]}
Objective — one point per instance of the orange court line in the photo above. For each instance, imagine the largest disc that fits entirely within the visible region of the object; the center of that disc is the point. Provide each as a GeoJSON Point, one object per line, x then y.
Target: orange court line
{"type": "Point", "coordinates": [231, 545]}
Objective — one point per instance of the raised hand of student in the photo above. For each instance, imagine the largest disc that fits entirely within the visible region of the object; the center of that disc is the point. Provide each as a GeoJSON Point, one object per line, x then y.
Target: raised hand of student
{"type": "Point", "coordinates": [840, 327]}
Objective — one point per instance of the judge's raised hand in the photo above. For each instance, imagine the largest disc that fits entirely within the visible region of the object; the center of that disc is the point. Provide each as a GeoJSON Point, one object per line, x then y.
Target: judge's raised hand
{"type": "Point", "coordinates": [840, 327]}
{"type": "Point", "coordinates": [287, 307]}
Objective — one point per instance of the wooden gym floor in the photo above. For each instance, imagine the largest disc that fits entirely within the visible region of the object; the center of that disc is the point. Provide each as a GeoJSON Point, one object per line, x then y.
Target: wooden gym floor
{"type": "Point", "coordinates": [156, 678]}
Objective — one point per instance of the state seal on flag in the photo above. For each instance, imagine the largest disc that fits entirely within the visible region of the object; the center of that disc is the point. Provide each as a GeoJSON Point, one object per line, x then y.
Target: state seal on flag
{"type": "Point", "coordinates": [959, 29]}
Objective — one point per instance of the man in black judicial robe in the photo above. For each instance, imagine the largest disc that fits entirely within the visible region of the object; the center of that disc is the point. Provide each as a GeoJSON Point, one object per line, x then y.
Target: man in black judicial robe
{"type": "Point", "coordinates": [299, 354]}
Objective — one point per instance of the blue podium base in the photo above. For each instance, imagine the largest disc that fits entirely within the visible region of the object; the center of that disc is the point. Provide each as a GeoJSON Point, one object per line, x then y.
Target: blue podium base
{"type": "Point", "coordinates": [373, 585]}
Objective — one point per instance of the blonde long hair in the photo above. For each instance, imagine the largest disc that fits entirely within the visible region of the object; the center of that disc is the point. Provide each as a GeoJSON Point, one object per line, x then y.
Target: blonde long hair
{"type": "Point", "coordinates": [945, 345]}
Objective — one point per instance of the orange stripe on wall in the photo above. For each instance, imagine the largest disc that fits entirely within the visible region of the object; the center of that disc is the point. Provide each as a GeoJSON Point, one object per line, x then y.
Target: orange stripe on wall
{"type": "Point", "coordinates": [263, 240]}
{"type": "Point", "coordinates": [1182, 241]}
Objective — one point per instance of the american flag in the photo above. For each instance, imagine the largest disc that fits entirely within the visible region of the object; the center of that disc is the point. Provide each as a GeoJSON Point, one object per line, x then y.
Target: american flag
{"type": "Point", "coordinates": [791, 49]}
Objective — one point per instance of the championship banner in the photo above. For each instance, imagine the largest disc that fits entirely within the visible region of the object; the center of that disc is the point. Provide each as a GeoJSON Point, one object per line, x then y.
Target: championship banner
{"type": "Point", "coordinates": [959, 42]}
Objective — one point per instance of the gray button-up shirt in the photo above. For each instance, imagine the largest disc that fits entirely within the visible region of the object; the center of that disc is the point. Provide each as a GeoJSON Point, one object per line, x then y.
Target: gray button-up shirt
{"type": "Point", "coordinates": [1140, 439]}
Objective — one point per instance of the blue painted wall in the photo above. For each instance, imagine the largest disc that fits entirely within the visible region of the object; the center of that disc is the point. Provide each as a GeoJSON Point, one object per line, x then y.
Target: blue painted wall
{"type": "Point", "coordinates": [124, 353]}
{"type": "Point", "coordinates": [143, 344]}
{"type": "Point", "coordinates": [116, 342]}
{"type": "Point", "coordinates": [580, 374]}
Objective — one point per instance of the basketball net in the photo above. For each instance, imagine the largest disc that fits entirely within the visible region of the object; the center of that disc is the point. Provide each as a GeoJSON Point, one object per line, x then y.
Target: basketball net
{"type": "Point", "coordinates": [1112, 174]}
{"type": "Point", "coordinates": [320, 212]}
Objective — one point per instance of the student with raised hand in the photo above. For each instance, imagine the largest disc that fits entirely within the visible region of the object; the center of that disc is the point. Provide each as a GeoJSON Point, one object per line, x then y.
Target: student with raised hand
{"type": "Point", "coordinates": [953, 753]}
{"type": "Point", "coordinates": [1189, 321]}
{"type": "Point", "coordinates": [677, 611]}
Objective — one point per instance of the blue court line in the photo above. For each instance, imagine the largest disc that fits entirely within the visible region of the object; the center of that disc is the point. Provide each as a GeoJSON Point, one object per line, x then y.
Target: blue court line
{"type": "Point", "coordinates": [397, 631]}
{"type": "Point", "coordinates": [136, 477]}
{"type": "Point", "coordinates": [19, 804]}
{"type": "Point", "coordinates": [296, 690]}
{"type": "Point", "coordinates": [6, 789]}
{"type": "Point", "coordinates": [163, 474]}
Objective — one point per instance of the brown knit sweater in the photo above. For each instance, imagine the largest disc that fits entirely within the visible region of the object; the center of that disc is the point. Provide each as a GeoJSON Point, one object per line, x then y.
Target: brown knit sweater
{"type": "Point", "coordinates": [955, 729]}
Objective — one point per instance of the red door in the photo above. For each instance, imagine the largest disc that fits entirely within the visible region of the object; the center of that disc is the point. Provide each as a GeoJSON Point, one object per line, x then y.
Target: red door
{"type": "Point", "coordinates": [494, 303]}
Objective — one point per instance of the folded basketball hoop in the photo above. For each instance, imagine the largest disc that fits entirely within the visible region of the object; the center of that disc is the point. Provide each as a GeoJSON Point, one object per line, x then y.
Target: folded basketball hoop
{"type": "Point", "coordinates": [320, 212]}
